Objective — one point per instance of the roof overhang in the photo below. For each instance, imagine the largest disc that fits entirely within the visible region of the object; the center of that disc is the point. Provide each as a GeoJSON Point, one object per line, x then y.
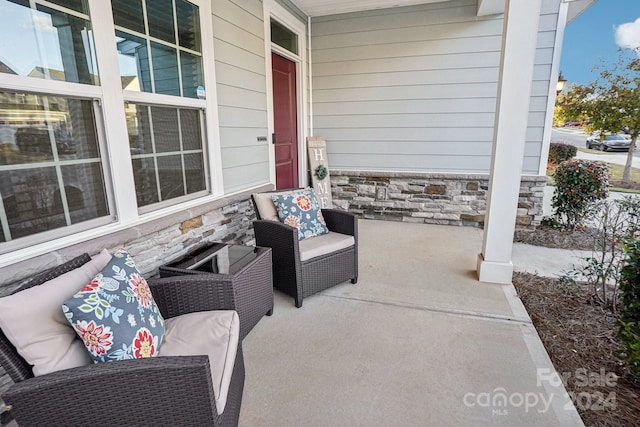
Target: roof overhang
{"type": "Point", "coordinates": [490, 7]}
{"type": "Point", "coordinates": [494, 7]}
{"type": "Point", "coordinates": [576, 7]}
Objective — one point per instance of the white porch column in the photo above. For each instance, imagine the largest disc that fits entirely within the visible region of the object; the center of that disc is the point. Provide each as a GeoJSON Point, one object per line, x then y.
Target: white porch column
{"type": "Point", "coordinates": [519, 39]}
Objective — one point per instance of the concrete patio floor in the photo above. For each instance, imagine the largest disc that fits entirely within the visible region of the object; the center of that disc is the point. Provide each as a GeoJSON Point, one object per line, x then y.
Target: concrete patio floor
{"type": "Point", "coordinates": [417, 342]}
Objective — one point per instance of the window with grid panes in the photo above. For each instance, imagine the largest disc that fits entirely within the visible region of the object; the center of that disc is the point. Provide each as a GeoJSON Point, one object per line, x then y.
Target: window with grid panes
{"type": "Point", "coordinates": [51, 162]}
{"type": "Point", "coordinates": [55, 178]}
{"type": "Point", "coordinates": [160, 52]}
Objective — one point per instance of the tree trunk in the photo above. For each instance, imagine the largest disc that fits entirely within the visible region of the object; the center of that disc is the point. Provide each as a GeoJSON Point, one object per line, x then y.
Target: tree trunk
{"type": "Point", "coordinates": [626, 177]}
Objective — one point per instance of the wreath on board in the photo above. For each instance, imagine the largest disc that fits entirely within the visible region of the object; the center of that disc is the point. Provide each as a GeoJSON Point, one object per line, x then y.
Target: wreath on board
{"type": "Point", "coordinates": [321, 172]}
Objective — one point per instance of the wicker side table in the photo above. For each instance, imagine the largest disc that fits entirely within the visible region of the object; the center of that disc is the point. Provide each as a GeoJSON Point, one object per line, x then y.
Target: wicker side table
{"type": "Point", "coordinates": [246, 269]}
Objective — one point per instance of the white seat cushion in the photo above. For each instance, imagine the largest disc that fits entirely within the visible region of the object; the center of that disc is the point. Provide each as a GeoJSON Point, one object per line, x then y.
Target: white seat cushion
{"type": "Point", "coordinates": [324, 244]}
{"type": "Point", "coordinates": [212, 333]}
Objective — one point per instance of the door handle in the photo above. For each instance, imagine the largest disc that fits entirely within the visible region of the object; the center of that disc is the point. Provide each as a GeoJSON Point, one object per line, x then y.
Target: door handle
{"type": "Point", "coordinates": [273, 138]}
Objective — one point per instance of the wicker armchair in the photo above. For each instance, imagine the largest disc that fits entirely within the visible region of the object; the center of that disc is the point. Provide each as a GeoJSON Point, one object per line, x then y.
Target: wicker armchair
{"type": "Point", "coordinates": [296, 274]}
{"type": "Point", "coordinates": [160, 391]}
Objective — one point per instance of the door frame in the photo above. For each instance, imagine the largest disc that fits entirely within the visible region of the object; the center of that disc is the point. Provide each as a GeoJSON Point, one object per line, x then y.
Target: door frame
{"type": "Point", "coordinates": [273, 10]}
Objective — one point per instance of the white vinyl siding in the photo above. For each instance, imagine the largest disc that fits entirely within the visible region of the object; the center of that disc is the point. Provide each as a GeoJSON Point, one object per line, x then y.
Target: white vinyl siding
{"type": "Point", "coordinates": [414, 88]}
{"type": "Point", "coordinates": [238, 31]}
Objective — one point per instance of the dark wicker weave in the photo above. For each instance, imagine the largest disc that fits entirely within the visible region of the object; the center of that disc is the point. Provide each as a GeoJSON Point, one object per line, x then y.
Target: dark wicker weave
{"type": "Point", "coordinates": [161, 391]}
{"type": "Point", "coordinates": [249, 291]}
{"type": "Point", "coordinates": [301, 279]}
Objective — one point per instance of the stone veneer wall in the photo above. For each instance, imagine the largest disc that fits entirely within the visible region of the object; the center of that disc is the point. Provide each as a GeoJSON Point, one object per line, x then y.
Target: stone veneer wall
{"type": "Point", "coordinates": [159, 241]}
{"type": "Point", "coordinates": [456, 199]}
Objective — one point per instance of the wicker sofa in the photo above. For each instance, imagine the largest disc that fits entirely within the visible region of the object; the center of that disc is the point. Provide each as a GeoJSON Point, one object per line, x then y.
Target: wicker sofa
{"type": "Point", "coordinates": [159, 391]}
{"type": "Point", "coordinates": [304, 267]}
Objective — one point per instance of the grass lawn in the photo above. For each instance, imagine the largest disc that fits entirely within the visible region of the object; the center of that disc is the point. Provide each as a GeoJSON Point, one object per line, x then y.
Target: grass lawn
{"type": "Point", "coordinates": [618, 170]}
{"type": "Point", "coordinates": [616, 175]}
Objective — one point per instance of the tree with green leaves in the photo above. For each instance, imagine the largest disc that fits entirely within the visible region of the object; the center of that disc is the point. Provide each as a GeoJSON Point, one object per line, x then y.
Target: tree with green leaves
{"type": "Point", "coordinates": [611, 103]}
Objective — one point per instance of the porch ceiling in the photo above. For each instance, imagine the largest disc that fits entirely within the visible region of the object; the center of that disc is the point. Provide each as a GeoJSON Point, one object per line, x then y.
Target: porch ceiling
{"type": "Point", "coordinates": [485, 7]}
{"type": "Point", "coordinates": [332, 7]}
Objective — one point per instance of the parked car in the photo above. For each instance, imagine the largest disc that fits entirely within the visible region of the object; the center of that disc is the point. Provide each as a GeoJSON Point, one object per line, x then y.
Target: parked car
{"type": "Point", "coordinates": [572, 124]}
{"type": "Point", "coordinates": [615, 142]}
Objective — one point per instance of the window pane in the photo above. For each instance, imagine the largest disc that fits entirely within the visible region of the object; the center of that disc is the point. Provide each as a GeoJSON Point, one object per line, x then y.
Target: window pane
{"type": "Point", "coordinates": [144, 174]}
{"type": "Point", "coordinates": [128, 14]}
{"type": "Point", "coordinates": [50, 167]}
{"type": "Point", "coordinates": [133, 59]}
{"type": "Point", "coordinates": [79, 139]}
{"type": "Point", "coordinates": [165, 129]}
{"type": "Point", "coordinates": [51, 44]}
{"type": "Point", "coordinates": [171, 178]}
{"type": "Point", "coordinates": [194, 172]}
{"type": "Point", "coordinates": [191, 74]}
{"type": "Point", "coordinates": [139, 129]}
{"type": "Point", "coordinates": [284, 37]}
{"type": "Point", "coordinates": [165, 69]}
{"type": "Point", "coordinates": [160, 17]}
{"type": "Point", "coordinates": [35, 125]}
{"type": "Point", "coordinates": [188, 25]}
{"type": "Point", "coordinates": [173, 164]}
{"type": "Point", "coordinates": [153, 60]}
{"type": "Point", "coordinates": [29, 201]}
{"type": "Point", "coordinates": [32, 144]}
{"type": "Point", "coordinates": [190, 125]}
{"type": "Point", "coordinates": [77, 5]}
{"type": "Point", "coordinates": [84, 191]}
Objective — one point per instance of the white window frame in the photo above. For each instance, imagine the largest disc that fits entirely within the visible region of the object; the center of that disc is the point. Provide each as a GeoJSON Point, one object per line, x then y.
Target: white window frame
{"type": "Point", "coordinates": [112, 129]}
{"type": "Point", "coordinates": [273, 10]}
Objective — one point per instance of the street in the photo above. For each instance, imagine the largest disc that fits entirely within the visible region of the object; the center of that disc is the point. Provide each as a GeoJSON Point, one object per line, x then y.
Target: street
{"type": "Point", "coordinates": [577, 137]}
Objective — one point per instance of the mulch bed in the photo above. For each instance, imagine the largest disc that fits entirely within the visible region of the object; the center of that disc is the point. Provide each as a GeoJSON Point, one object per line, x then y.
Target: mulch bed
{"type": "Point", "coordinates": [580, 337]}
{"type": "Point", "coordinates": [547, 236]}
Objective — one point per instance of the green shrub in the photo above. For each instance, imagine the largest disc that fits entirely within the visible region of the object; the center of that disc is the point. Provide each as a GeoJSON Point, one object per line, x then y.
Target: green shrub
{"type": "Point", "coordinates": [612, 224]}
{"type": "Point", "coordinates": [629, 322]}
{"type": "Point", "coordinates": [560, 152]}
{"type": "Point", "coordinates": [580, 184]}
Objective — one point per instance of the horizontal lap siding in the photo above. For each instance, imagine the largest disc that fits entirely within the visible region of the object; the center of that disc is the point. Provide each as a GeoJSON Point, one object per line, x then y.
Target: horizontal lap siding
{"type": "Point", "coordinates": [407, 89]}
{"type": "Point", "coordinates": [540, 85]}
{"type": "Point", "coordinates": [414, 88]}
{"type": "Point", "coordinates": [241, 84]}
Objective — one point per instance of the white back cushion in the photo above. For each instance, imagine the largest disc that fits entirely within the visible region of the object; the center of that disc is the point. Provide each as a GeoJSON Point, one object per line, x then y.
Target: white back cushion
{"type": "Point", "coordinates": [33, 320]}
{"type": "Point", "coordinates": [266, 207]}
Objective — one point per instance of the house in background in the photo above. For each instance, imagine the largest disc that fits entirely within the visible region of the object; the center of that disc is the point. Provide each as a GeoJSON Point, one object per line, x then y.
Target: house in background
{"type": "Point", "coordinates": [150, 123]}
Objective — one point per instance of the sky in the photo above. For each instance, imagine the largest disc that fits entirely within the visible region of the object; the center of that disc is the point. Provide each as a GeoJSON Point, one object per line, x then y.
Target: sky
{"type": "Point", "coordinates": [595, 36]}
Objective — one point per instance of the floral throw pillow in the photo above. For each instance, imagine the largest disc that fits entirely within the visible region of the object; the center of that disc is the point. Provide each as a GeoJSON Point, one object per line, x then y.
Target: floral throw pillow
{"type": "Point", "coordinates": [301, 210]}
{"type": "Point", "coordinates": [115, 314]}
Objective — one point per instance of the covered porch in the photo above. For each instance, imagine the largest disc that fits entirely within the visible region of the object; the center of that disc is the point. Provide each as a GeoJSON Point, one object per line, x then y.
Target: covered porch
{"type": "Point", "coordinates": [416, 342]}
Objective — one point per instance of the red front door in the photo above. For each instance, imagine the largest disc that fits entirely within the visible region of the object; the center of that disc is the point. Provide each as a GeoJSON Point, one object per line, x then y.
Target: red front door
{"type": "Point", "coordinates": [285, 118]}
